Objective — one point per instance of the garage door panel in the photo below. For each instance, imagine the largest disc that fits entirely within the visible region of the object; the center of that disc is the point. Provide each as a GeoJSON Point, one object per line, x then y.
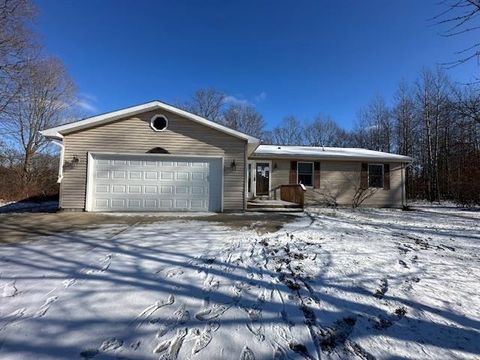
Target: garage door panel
{"type": "Point", "coordinates": [133, 183]}
{"type": "Point", "coordinates": [134, 189]}
{"type": "Point", "coordinates": [166, 204]}
{"type": "Point", "coordinates": [151, 203]}
{"type": "Point", "coordinates": [102, 203]}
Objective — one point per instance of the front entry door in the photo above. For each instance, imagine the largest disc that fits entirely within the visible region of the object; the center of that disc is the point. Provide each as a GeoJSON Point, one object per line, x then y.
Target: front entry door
{"type": "Point", "coordinates": [262, 175]}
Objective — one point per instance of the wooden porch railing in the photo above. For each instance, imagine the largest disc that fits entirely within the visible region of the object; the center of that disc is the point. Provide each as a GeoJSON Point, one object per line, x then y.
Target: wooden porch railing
{"type": "Point", "coordinates": [293, 193]}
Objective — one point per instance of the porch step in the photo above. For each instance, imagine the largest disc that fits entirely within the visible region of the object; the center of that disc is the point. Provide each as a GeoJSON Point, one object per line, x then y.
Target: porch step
{"type": "Point", "coordinates": [255, 205]}
{"type": "Point", "coordinates": [273, 205]}
{"type": "Point", "coordinates": [283, 210]}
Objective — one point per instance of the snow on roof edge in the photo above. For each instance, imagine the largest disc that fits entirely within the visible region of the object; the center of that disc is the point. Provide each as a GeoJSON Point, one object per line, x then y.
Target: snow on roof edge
{"type": "Point", "coordinates": [310, 152]}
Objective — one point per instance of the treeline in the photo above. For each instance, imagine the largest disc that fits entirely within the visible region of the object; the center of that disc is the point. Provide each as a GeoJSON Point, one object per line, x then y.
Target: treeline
{"type": "Point", "coordinates": [35, 93]}
{"type": "Point", "coordinates": [432, 119]}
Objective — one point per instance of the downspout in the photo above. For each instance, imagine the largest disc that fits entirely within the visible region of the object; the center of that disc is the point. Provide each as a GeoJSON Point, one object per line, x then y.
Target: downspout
{"type": "Point", "coordinates": [62, 157]}
{"type": "Point", "coordinates": [404, 200]}
{"type": "Point", "coordinates": [245, 177]}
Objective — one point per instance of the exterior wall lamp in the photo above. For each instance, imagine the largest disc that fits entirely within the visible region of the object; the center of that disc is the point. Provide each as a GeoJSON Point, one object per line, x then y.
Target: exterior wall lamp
{"type": "Point", "coordinates": [72, 163]}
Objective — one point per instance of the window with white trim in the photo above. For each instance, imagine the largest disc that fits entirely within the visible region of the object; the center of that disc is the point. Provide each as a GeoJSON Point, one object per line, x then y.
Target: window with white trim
{"type": "Point", "coordinates": [375, 175]}
{"type": "Point", "coordinates": [159, 122]}
{"type": "Point", "coordinates": [305, 173]}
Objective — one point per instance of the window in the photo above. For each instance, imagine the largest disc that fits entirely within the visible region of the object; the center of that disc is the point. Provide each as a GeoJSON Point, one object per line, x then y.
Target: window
{"type": "Point", "coordinates": [305, 173]}
{"type": "Point", "coordinates": [159, 123]}
{"type": "Point", "coordinates": [375, 176]}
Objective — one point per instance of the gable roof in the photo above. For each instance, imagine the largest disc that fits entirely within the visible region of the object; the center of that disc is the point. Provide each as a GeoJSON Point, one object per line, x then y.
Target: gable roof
{"type": "Point", "coordinates": [326, 153]}
{"type": "Point", "coordinates": [58, 131]}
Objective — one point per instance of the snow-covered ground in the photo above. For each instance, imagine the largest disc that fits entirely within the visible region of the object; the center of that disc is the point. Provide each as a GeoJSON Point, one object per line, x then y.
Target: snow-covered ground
{"type": "Point", "coordinates": [337, 284]}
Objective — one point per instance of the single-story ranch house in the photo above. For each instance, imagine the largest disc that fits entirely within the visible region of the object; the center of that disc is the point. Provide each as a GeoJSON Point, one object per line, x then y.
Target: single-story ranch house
{"type": "Point", "coordinates": [156, 157]}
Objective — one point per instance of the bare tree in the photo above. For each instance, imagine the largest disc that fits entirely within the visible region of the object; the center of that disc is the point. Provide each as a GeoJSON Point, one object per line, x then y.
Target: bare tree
{"type": "Point", "coordinates": [467, 102]}
{"type": "Point", "coordinates": [432, 99]}
{"type": "Point", "coordinates": [324, 131]}
{"type": "Point", "coordinates": [207, 103]}
{"type": "Point", "coordinates": [406, 126]}
{"type": "Point", "coordinates": [16, 46]}
{"type": "Point", "coordinates": [45, 96]}
{"type": "Point", "coordinates": [375, 126]}
{"type": "Point", "coordinates": [460, 17]}
{"type": "Point", "coordinates": [244, 118]}
{"type": "Point", "coordinates": [290, 132]}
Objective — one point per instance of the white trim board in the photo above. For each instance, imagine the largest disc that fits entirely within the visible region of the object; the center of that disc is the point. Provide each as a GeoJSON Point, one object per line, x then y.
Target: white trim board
{"type": "Point", "coordinates": [59, 131]}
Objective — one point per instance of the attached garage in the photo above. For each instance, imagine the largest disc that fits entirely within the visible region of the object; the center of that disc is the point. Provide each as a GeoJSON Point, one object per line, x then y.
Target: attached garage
{"type": "Point", "coordinates": [152, 182]}
{"type": "Point", "coordinates": [151, 157]}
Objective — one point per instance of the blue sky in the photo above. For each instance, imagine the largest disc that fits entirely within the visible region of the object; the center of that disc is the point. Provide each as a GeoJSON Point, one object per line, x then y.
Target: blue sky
{"type": "Point", "coordinates": [287, 57]}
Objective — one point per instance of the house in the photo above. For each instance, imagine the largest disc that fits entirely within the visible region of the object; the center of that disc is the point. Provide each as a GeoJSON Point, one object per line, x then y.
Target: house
{"type": "Point", "coordinates": [156, 157]}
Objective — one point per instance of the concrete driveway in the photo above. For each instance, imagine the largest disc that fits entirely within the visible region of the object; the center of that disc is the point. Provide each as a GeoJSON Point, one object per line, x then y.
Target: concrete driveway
{"type": "Point", "coordinates": [16, 227]}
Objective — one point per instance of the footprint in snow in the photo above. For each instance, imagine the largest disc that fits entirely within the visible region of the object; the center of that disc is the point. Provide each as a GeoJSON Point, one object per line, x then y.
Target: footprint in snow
{"type": "Point", "coordinates": [108, 345]}
{"type": "Point", "coordinates": [69, 282]}
{"type": "Point", "coordinates": [172, 346]}
{"type": "Point", "coordinates": [254, 325]}
{"type": "Point", "coordinates": [210, 284]}
{"type": "Point", "coordinates": [150, 310]}
{"type": "Point", "coordinates": [237, 289]}
{"type": "Point", "coordinates": [358, 351]}
{"type": "Point", "coordinates": [106, 261]}
{"type": "Point", "coordinates": [44, 308]}
{"type": "Point", "coordinates": [205, 337]}
{"type": "Point", "coordinates": [247, 354]}
{"type": "Point", "coordinates": [111, 344]}
{"type": "Point", "coordinates": [12, 317]}
{"type": "Point", "coordinates": [180, 316]}
{"type": "Point", "coordinates": [135, 345]}
{"type": "Point", "coordinates": [279, 354]}
{"type": "Point", "coordinates": [381, 291]}
{"type": "Point", "coordinates": [212, 312]}
{"type": "Point", "coordinates": [9, 290]}
{"type": "Point", "coordinates": [174, 272]}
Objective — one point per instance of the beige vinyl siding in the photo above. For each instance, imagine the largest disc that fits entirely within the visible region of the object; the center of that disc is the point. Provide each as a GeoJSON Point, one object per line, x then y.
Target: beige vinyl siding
{"type": "Point", "coordinates": [134, 135]}
{"type": "Point", "coordinates": [339, 181]}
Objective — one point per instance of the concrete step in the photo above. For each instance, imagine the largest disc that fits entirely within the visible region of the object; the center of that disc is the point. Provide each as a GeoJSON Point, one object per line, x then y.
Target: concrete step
{"type": "Point", "coordinates": [269, 209]}
{"type": "Point", "coordinates": [259, 205]}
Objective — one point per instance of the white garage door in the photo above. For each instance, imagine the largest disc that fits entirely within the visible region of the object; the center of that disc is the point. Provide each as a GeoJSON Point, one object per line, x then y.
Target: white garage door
{"type": "Point", "coordinates": [154, 183]}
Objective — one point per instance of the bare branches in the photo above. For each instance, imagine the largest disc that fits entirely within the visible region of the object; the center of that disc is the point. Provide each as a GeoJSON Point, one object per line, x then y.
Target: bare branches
{"type": "Point", "coordinates": [324, 131]}
{"type": "Point", "coordinates": [17, 45]}
{"type": "Point", "coordinates": [290, 132]}
{"type": "Point", "coordinates": [45, 94]}
{"type": "Point", "coordinates": [244, 118]}
{"type": "Point", "coordinates": [207, 103]}
{"type": "Point", "coordinates": [460, 17]}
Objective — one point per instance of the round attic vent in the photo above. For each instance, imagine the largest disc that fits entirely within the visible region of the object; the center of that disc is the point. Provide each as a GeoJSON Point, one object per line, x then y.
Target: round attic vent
{"type": "Point", "coordinates": [159, 122]}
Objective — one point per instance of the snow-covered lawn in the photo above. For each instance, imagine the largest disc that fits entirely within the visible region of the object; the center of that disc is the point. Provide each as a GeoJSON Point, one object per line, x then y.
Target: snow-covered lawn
{"type": "Point", "coordinates": [338, 284]}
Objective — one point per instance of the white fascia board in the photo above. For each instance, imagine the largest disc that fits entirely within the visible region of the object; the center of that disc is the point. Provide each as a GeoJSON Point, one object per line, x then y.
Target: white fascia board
{"type": "Point", "coordinates": [57, 132]}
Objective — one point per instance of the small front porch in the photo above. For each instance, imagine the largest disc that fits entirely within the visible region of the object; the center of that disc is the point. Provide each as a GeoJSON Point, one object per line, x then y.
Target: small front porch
{"type": "Point", "coordinates": [263, 197]}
